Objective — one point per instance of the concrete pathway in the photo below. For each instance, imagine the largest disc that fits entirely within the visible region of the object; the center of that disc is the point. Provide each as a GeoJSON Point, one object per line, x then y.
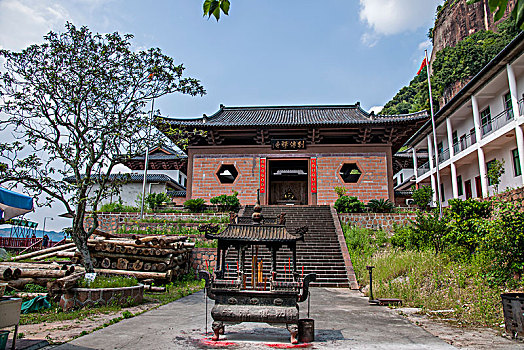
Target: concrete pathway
{"type": "Point", "coordinates": [343, 320]}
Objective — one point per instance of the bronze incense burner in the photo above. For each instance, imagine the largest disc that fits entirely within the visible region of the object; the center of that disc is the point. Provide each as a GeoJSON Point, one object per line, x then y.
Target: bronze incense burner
{"type": "Point", "coordinates": [244, 293]}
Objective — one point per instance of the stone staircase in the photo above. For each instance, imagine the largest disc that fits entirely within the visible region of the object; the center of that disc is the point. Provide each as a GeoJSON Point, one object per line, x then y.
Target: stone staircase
{"type": "Point", "coordinates": [320, 252]}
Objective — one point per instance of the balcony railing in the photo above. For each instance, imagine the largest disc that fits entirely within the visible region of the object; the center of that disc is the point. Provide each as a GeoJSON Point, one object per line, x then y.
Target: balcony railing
{"type": "Point", "coordinates": [424, 168]}
{"type": "Point", "coordinates": [464, 142]}
{"type": "Point", "coordinates": [443, 156]}
{"type": "Point", "coordinates": [498, 122]}
{"type": "Point", "coordinates": [521, 106]}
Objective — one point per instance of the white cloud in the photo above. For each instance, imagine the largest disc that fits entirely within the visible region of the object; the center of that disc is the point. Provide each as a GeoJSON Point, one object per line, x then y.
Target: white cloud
{"type": "Point", "coordinates": [25, 22]}
{"type": "Point", "coordinates": [376, 109]}
{"type": "Point", "coordinates": [389, 17]}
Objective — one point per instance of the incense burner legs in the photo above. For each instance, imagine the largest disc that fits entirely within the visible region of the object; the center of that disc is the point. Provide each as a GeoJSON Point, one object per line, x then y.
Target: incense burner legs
{"type": "Point", "coordinates": [293, 331]}
{"type": "Point", "coordinates": [218, 328]}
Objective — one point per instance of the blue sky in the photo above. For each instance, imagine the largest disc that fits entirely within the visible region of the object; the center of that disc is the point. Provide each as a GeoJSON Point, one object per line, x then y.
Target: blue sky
{"type": "Point", "coordinates": [264, 53]}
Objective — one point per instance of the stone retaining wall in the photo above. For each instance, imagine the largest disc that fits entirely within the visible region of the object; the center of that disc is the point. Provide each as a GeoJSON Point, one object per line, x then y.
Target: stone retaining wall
{"type": "Point", "coordinates": [377, 221]}
{"type": "Point", "coordinates": [82, 297]}
{"type": "Point", "coordinates": [199, 256]}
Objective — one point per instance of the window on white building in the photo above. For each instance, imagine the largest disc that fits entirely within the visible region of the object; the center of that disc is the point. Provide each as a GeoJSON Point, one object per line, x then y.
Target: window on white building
{"type": "Point", "coordinates": [508, 106]}
{"type": "Point", "coordinates": [442, 196]}
{"type": "Point", "coordinates": [485, 120]}
{"type": "Point", "coordinates": [459, 185]}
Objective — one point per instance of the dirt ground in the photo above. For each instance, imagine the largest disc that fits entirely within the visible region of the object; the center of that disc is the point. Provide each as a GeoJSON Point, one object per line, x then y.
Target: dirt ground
{"type": "Point", "coordinates": [64, 331]}
{"type": "Point", "coordinates": [461, 337]}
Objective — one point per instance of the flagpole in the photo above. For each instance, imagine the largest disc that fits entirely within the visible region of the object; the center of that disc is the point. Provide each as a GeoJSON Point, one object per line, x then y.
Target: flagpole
{"type": "Point", "coordinates": [146, 163]}
{"type": "Point", "coordinates": [434, 136]}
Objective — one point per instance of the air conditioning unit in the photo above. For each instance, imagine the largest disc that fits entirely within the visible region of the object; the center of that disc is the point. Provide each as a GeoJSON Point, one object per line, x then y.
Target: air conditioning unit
{"type": "Point", "coordinates": [410, 202]}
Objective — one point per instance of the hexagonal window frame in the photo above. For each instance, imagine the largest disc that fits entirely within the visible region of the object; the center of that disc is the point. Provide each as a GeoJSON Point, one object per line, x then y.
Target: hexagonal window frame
{"type": "Point", "coordinates": [224, 178]}
{"type": "Point", "coordinates": [352, 174]}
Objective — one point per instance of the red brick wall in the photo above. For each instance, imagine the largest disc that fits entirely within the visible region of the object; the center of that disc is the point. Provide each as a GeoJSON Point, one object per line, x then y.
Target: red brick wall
{"type": "Point", "coordinates": [206, 185]}
{"type": "Point", "coordinates": [373, 184]}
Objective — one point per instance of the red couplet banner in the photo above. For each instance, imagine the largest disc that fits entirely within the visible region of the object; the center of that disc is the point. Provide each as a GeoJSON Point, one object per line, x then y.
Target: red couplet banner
{"type": "Point", "coordinates": [262, 175]}
{"type": "Point", "coordinates": [313, 175]}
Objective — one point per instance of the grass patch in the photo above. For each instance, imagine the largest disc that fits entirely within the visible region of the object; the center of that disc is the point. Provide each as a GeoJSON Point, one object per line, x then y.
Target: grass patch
{"type": "Point", "coordinates": [174, 290]}
{"type": "Point", "coordinates": [108, 282]}
{"type": "Point", "coordinates": [179, 230]}
{"type": "Point", "coordinates": [212, 220]}
{"type": "Point", "coordinates": [424, 279]}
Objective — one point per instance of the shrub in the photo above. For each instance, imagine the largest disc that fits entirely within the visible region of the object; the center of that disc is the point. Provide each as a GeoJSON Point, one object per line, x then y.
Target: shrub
{"type": "Point", "coordinates": [340, 191]}
{"type": "Point", "coordinates": [465, 220]}
{"type": "Point", "coordinates": [346, 204]}
{"type": "Point", "coordinates": [154, 200]}
{"type": "Point", "coordinates": [422, 196]}
{"type": "Point", "coordinates": [195, 205]}
{"type": "Point", "coordinates": [117, 207]}
{"type": "Point", "coordinates": [225, 202]}
{"type": "Point", "coordinates": [380, 206]}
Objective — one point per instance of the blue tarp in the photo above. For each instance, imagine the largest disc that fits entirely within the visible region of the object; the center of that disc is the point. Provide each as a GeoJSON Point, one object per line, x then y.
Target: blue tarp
{"type": "Point", "coordinates": [14, 204]}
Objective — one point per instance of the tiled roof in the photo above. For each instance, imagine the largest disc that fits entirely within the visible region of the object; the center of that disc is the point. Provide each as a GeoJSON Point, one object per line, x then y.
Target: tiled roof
{"type": "Point", "coordinates": [159, 154]}
{"type": "Point", "coordinates": [133, 177]}
{"type": "Point", "coordinates": [293, 116]}
{"type": "Point", "coordinates": [256, 234]}
{"type": "Point", "coordinates": [176, 193]}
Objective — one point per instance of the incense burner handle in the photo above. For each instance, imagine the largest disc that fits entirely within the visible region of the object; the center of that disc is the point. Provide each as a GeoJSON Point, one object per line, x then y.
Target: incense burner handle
{"type": "Point", "coordinates": [205, 275]}
{"type": "Point", "coordinates": [310, 277]}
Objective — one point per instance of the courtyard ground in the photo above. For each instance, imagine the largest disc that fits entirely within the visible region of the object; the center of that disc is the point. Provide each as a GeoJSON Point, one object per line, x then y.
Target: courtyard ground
{"type": "Point", "coordinates": [343, 320]}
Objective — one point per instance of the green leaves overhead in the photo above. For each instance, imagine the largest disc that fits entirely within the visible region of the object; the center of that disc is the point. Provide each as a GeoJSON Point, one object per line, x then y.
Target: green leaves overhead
{"type": "Point", "coordinates": [214, 7]}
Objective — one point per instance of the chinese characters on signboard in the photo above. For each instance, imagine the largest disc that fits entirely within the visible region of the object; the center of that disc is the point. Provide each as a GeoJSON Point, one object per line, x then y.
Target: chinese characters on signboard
{"type": "Point", "coordinates": [313, 175]}
{"type": "Point", "coordinates": [288, 145]}
{"type": "Point", "coordinates": [262, 175]}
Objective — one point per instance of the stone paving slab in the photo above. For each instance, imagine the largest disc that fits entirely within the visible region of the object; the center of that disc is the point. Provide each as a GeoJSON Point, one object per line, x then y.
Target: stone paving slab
{"type": "Point", "coordinates": [343, 320]}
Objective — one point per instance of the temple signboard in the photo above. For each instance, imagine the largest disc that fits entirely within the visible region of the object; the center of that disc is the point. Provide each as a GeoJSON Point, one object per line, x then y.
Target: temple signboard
{"type": "Point", "coordinates": [288, 144]}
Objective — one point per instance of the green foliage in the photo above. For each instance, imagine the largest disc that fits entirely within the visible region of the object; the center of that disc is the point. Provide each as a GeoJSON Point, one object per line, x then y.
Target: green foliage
{"type": "Point", "coordinates": [34, 288]}
{"type": "Point", "coordinates": [225, 202]}
{"type": "Point", "coordinates": [422, 196]}
{"type": "Point", "coordinates": [341, 191]}
{"type": "Point", "coordinates": [117, 207]}
{"type": "Point", "coordinates": [502, 243]}
{"type": "Point", "coordinates": [93, 88]}
{"type": "Point", "coordinates": [108, 282]}
{"type": "Point", "coordinates": [154, 200]}
{"type": "Point", "coordinates": [450, 65]}
{"type": "Point", "coordinates": [214, 7]}
{"type": "Point", "coordinates": [465, 218]}
{"type": "Point", "coordinates": [362, 244]}
{"type": "Point", "coordinates": [349, 204]}
{"type": "Point", "coordinates": [495, 172]}
{"type": "Point", "coordinates": [499, 7]}
{"type": "Point", "coordinates": [165, 230]}
{"type": "Point", "coordinates": [195, 205]}
{"type": "Point", "coordinates": [380, 206]}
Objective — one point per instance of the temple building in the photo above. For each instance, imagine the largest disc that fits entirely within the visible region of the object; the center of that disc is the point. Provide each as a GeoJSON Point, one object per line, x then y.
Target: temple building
{"type": "Point", "coordinates": [293, 154]}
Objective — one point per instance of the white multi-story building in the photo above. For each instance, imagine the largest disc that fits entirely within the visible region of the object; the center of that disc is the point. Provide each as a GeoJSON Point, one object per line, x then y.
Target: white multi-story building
{"type": "Point", "coordinates": [481, 123]}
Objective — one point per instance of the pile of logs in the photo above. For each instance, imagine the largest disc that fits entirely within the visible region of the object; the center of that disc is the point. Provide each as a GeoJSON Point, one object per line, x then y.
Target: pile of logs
{"type": "Point", "coordinates": [151, 257]}
{"type": "Point", "coordinates": [18, 274]}
{"type": "Point", "coordinates": [146, 258]}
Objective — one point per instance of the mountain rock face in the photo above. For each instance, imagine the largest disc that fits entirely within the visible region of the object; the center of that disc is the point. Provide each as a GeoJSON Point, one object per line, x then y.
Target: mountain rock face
{"type": "Point", "coordinates": [457, 20]}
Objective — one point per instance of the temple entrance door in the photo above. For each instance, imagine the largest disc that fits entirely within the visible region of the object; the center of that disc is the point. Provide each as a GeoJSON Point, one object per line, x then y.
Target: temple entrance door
{"type": "Point", "coordinates": [288, 182]}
